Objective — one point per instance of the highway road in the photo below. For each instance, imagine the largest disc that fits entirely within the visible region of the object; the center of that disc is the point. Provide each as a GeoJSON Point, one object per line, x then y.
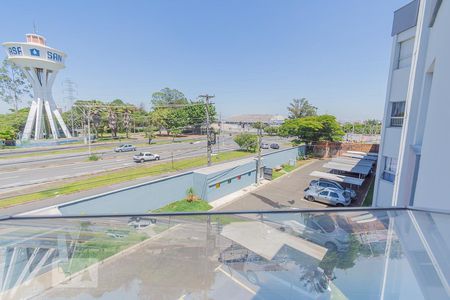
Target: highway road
{"type": "Point", "coordinates": [19, 173]}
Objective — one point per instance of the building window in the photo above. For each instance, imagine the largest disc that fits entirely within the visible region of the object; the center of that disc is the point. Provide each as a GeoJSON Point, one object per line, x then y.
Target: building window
{"type": "Point", "coordinates": [390, 167]}
{"type": "Point", "coordinates": [397, 113]}
{"type": "Point", "coordinates": [405, 51]}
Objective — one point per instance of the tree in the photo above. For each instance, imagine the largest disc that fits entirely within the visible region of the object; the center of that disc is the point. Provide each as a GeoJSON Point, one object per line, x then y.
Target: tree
{"type": "Point", "coordinates": [13, 84]}
{"type": "Point", "coordinates": [14, 121]}
{"type": "Point", "coordinates": [300, 108]}
{"type": "Point", "coordinates": [158, 118]}
{"type": "Point", "coordinates": [176, 119]}
{"type": "Point", "coordinates": [7, 133]}
{"type": "Point", "coordinates": [247, 141]}
{"type": "Point", "coordinates": [126, 121]}
{"type": "Point", "coordinates": [112, 122]}
{"type": "Point", "coordinates": [167, 97]}
{"type": "Point", "coordinates": [196, 113]}
{"type": "Point", "coordinates": [370, 126]}
{"type": "Point", "coordinates": [331, 130]}
{"type": "Point", "coordinates": [271, 130]}
{"type": "Point", "coordinates": [313, 129]}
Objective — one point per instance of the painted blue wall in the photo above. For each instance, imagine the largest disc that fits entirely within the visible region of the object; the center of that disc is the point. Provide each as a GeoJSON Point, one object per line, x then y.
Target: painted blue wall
{"type": "Point", "coordinates": [138, 199]}
{"type": "Point", "coordinates": [274, 159]}
{"type": "Point", "coordinates": [228, 180]}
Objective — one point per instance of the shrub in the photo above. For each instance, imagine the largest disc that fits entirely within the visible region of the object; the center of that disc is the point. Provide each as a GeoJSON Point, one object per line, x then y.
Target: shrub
{"type": "Point", "coordinates": [247, 141]}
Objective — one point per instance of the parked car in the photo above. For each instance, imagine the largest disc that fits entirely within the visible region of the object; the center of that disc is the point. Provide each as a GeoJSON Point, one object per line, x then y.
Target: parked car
{"type": "Point", "coordinates": [145, 156]}
{"type": "Point", "coordinates": [274, 146]}
{"type": "Point", "coordinates": [125, 148]}
{"type": "Point", "coordinates": [282, 277]}
{"type": "Point", "coordinates": [328, 195]}
{"type": "Point", "coordinates": [320, 229]}
{"type": "Point", "coordinates": [265, 146]}
{"type": "Point", "coordinates": [325, 183]}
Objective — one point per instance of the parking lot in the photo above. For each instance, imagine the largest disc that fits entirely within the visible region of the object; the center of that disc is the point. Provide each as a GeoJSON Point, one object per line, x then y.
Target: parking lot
{"type": "Point", "coordinates": [288, 192]}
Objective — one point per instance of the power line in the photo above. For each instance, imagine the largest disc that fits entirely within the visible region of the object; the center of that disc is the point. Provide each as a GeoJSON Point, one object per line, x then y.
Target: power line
{"type": "Point", "coordinates": [69, 89]}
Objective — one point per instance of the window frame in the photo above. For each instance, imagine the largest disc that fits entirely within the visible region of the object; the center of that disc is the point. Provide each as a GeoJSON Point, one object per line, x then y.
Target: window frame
{"type": "Point", "coordinates": [389, 168]}
{"type": "Point", "coordinates": [397, 113]}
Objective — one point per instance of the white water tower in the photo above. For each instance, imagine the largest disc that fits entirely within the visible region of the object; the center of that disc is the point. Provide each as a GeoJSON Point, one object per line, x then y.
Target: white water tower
{"type": "Point", "coordinates": [40, 64]}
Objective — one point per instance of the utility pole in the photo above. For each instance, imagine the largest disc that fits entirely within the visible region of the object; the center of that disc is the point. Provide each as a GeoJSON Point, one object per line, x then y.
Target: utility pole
{"type": "Point", "coordinates": [208, 129]}
{"type": "Point", "coordinates": [220, 132]}
{"type": "Point", "coordinates": [258, 163]}
{"type": "Point", "coordinates": [89, 129]}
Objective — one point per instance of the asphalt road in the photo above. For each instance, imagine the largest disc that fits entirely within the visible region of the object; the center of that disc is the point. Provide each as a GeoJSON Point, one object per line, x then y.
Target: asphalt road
{"type": "Point", "coordinates": [26, 172]}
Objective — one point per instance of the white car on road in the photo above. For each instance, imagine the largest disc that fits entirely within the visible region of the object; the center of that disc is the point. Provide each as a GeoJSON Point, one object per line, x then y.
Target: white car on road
{"type": "Point", "coordinates": [145, 156]}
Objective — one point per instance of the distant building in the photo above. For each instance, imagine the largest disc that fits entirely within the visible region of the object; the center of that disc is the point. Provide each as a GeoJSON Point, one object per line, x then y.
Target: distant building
{"type": "Point", "coordinates": [245, 123]}
{"type": "Point", "coordinates": [413, 160]}
{"type": "Point", "coordinates": [255, 118]}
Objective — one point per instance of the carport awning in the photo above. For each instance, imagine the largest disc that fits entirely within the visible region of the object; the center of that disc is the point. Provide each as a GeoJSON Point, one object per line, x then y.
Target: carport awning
{"type": "Point", "coordinates": [363, 153]}
{"type": "Point", "coordinates": [353, 161]}
{"type": "Point", "coordinates": [368, 157]}
{"type": "Point", "coordinates": [266, 241]}
{"type": "Point", "coordinates": [363, 170]}
{"type": "Point", "coordinates": [338, 178]}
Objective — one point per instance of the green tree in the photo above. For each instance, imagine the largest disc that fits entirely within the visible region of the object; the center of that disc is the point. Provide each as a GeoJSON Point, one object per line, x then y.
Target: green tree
{"type": "Point", "coordinates": [7, 133]}
{"type": "Point", "coordinates": [13, 84]}
{"type": "Point", "coordinates": [167, 97]}
{"type": "Point", "coordinates": [176, 119]}
{"type": "Point", "coordinates": [271, 130]}
{"type": "Point", "coordinates": [196, 113]}
{"type": "Point", "coordinates": [247, 141]}
{"type": "Point", "coordinates": [158, 118]}
{"type": "Point", "coordinates": [313, 129]}
{"type": "Point", "coordinates": [331, 130]}
{"type": "Point", "coordinates": [300, 108]}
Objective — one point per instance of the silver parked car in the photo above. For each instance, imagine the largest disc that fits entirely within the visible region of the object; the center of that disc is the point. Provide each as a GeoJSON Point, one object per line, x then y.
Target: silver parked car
{"type": "Point", "coordinates": [325, 183]}
{"type": "Point", "coordinates": [125, 148]}
{"type": "Point", "coordinates": [145, 156]}
{"type": "Point", "coordinates": [329, 195]}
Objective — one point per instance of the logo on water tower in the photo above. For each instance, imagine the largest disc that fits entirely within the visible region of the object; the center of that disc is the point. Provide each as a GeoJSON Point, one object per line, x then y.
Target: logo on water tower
{"type": "Point", "coordinates": [35, 52]}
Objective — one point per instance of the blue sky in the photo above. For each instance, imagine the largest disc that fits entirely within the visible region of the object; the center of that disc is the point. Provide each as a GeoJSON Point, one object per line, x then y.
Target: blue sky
{"type": "Point", "coordinates": [255, 56]}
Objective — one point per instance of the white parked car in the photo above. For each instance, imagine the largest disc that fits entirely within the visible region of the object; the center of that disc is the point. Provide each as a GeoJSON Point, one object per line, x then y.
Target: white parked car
{"type": "Point", "coordinates": [125, 148]}
{"type": "Point", "coordinates": [145, 156]}
{"type": "Point", "coordinates": [331, 196]}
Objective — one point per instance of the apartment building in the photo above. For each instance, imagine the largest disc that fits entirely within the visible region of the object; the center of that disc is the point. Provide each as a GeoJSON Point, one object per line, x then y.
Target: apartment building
{"type": "Point", "coordinates": [414, 164]}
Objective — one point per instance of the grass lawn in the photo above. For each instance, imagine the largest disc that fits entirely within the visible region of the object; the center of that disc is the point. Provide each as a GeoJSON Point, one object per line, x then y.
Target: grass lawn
{"type": "Point", "coordinates": [184, 205]}
{"type": "Point", "coordinates": [369, 197]}
{"type": "Point", "coordinates": [197, 205]}
{"type": "Point", "coordinates": [288, 168]}
{"type": "Point", "coordinates": [119, 176]}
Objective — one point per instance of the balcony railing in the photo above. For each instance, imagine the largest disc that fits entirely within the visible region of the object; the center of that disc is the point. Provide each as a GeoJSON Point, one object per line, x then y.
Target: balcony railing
{"type": "Point", "coordinates": [397, 121]}
{"type": "Point", "coordinates": [295, 254]}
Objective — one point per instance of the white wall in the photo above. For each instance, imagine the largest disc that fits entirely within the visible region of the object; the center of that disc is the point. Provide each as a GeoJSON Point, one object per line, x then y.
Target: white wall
{"type": "Point", "coordinates": [435, 159]}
